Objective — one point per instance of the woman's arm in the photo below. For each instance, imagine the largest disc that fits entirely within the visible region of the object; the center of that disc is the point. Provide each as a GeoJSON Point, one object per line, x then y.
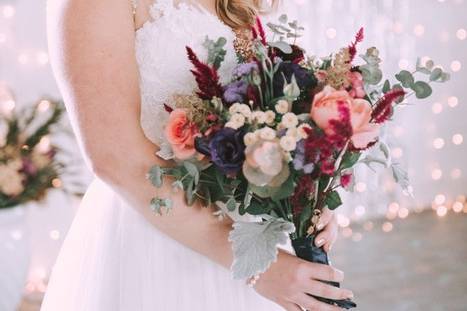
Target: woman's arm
{"type": "Point", "coordinates": [91, 46]}
{"type": "Point", "coordinates": [92, 52]}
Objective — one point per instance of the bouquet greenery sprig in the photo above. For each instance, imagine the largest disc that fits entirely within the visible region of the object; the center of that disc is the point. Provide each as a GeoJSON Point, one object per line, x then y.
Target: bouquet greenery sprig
{"type": "Point", "coordinates": [28, 160]}
{"type": "Point", "coordinates": [281, 138]}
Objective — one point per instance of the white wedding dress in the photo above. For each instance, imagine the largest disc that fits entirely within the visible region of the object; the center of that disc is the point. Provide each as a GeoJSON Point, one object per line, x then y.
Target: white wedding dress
{"type": "Point", "coordinates": [112, 258]}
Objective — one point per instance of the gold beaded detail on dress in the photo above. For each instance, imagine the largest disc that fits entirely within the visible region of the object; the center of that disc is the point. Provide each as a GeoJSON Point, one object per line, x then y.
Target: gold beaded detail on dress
{"type": "Point", "coordinates": [243, 43]}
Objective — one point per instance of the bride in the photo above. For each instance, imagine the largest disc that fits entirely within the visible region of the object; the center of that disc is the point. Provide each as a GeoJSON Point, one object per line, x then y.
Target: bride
{"type": "Point", "coordinates": [117, 63]}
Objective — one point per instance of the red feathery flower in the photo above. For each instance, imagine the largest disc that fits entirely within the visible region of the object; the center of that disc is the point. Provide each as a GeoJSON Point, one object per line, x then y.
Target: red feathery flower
{"type": "Point", "coordinates": [305, 186]}
{"type": "Point", "coordinates": [261, 32]}
{"type": "Point", "coordinates": [168, 108]}
{"type": "Point", "coordinates": [206, 77]}
{"type": "Point", "coordinates": [353, 46]}
{"type": "Point", "coordinates": [384, 107]}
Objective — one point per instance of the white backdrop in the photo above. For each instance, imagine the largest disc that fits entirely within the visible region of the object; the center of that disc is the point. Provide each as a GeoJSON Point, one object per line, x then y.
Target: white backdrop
{"type": "Point", "coordinates": [424, 135]}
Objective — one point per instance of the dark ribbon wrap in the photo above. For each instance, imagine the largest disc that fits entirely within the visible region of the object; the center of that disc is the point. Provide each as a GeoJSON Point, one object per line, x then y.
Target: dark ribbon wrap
{"type": "Point", "coordinates": [305, 249]}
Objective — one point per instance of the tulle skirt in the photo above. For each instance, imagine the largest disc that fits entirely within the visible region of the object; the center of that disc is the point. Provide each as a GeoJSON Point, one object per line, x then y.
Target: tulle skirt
{"type": "Point", "coordinates": [114, 260]}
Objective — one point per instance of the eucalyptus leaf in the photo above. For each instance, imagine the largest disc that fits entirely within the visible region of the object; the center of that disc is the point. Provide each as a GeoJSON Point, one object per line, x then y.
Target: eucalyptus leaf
{"type": "Point", "coordinates": [436, 74]}
{"type": "Point", "coordinates": [281, 45]}
{"type": "Point", "coordinates": [254, 245]}
{"type": "Point", "coordinates": [283, 18]}
{"type": "Point", "coordinates": [231, 204]}
{"type": "Point", "coordinates": [159, 205]}
{"type": "Point", "coordinates": [405, 78]}
{"type": "Point", "coordinates": [155, 176]}
{"type": "Point", "coordinates": [192, 170]}
{"type": "Point", "coordinates": [422, 89]}
{"type": "Point", "coordinates": [386, 86]}
{"type": "Point", "coordinates": [402, 178]}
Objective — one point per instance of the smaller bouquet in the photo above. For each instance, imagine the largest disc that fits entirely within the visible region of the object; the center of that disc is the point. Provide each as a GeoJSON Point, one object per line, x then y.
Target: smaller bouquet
{"type": "Point", "coordinates": [28, 163]}
{"type": "Point", "coordinates": [282, 138]}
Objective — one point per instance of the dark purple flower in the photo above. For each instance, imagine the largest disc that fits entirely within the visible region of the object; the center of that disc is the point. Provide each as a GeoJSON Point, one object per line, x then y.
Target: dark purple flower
{"type": "Point", "coordinates": [235, 92]}
{"type": "Point", "coordinates": [244, 69]}
{"type": "Point", "coordinates": [226, 149]}
{"type": "Point", "coordinates": [305, 79]}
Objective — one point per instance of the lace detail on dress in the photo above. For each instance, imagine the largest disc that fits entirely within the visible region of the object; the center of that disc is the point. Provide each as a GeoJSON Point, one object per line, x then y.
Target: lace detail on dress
{"type": "Point", "coordinates": [163, 64]}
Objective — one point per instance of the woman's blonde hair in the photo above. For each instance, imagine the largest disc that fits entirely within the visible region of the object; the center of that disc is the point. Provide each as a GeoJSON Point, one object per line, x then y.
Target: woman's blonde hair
{"type": "Point", "coordinates": [241, 13]}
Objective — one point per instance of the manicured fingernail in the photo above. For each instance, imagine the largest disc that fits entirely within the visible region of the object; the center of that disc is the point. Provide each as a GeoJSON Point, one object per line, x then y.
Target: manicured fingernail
{"type": "Point", "coordinates": [320, 226]}
{"type": "Point", "coordinates": [320, 242]}
{"type": "Point", "coordinates": [349, 295]}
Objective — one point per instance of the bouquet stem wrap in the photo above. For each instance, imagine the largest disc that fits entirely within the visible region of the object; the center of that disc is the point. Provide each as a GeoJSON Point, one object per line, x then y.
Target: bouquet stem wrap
{"type": "Point", "coordinates": [305, 249]}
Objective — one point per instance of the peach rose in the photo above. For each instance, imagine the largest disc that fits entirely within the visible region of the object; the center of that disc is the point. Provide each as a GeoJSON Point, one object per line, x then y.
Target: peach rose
{"type": "Point", "coordinates": [180, 134]}
{"type": "Point", "coordinates": [325, 108]}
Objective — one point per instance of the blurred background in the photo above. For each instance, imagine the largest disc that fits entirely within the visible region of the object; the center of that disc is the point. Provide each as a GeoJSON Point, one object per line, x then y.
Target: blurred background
{"type": "Point", "coordinates": [399, 252]}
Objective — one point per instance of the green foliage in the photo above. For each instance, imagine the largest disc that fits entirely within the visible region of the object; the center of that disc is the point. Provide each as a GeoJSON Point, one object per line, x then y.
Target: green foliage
{"type": "Point", "coordinates": [371, 72]}
{"type": "Point", "coordinates": [160, 205]}
{"type": "Point", "coordinates": [349, 160]}
{"type": "Point", "coordinates": [333, 200]}
{"type": "Point", "coordinates": [251, 258]}
{"type": "Point", "coordinates": [216, 51]}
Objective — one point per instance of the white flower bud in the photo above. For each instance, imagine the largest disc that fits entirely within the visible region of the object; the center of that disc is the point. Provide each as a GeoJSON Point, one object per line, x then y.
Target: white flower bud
{"type": "Point", "coordinates": [282, 106]}
{"type": "Point", "coordinates": [259, 117]}
{"type": "Point", "coordinates": [270, 117]}
{"type": "Point", "coordinates": [289, 120]}
{"type": "Point", "coordinates": [234, 108]}
{"type": "Point", "coordinates": [267, 133]}
{"type": "Point", "coordinates": [288, 143]}
{"type": "Point", "coordinates": [250, 139]}
{"type": "Point", "coordinates": [244, 110]}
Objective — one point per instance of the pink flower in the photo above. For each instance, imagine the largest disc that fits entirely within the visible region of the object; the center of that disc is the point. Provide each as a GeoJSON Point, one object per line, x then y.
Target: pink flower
{"type": "Point", "coordinates": [180, 133]}
{"type": "Point", "coordinates": [356, 80]}
{"type": "Point", "coordinates": [325, 108]}
{"type": "Point", "coordinates": [265, 164]}
{"type": "Point", "coordinates": [346, 180]}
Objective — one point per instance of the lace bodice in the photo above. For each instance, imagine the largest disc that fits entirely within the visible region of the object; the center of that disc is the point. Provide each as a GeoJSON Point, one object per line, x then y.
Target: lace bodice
{"type": "Point", "coordinates": [163, 64]}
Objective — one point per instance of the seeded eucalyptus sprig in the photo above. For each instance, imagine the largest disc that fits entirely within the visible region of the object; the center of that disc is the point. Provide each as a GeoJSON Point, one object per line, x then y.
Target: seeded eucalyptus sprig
{"type": "Point", "coordinates": [285, 29]}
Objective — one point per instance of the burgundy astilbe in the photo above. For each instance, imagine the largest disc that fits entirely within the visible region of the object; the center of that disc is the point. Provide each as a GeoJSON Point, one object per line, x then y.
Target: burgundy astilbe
{"type": "Point", "coordinates": [206, 77]}
{"type": "Point", "coordinates": [305, 187]}
{"type": "Point", "coordinates": [353, 46]}
{"type": "Point", "coordinates": [261, 32]}
{"type": "Point", "coordinates": [384, 107]}
{"type": "Point", "coordinates": [321, 148]}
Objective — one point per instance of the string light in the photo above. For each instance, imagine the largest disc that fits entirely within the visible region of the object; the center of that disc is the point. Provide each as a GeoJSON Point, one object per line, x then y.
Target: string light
{"type": "Point", "coordinates": [440, 199]}
{"type": "Point", "coordinates": [457, 207]}
{"type": "Point", "coordinates": [457, 139]}
{"type": "Point", "coordinates": [54, 235]}
{"type": "Point", "coordinates": [437, 108]}
{"type": "Point", "coordinates": [436, 174]}
{"type": "Point", "coordinates": [461, 34]}
{"type": "Point", "coordinates": [419, 30]}
{"type": "Point", "coordinates": [8, 11]}
{"type": "Point", "coordinates": [387, 227]}
{"type": "Point", "coordinates": [438, 143]}
{"type": "Point", "coordinates": [456, 66]}
{"type": "Point", "coordinates": [453, 101]}
{"type": "Point", "coordinates": [442, 211]}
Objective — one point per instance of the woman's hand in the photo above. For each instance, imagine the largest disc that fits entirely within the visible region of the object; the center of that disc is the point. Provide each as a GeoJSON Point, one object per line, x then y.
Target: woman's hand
{"type": "Point", "coordinates": [288, 281]}
{"type": "Point", "coordinates": [329, 230]}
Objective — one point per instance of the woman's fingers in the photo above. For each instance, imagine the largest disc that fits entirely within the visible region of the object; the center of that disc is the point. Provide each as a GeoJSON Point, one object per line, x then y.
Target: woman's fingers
{"type": "Point", "coordinates": [311, 304]}
{"type": "Point", "coordinates": [328, 235]}
{"type": "Point", "coordinates": [320, 289]}
{"type": "Point", "coordinates": [321, 272]}
{"type": "Point", "coordinates": [324, 219]}
{"type": "Point", "coordinates": [292, 307]}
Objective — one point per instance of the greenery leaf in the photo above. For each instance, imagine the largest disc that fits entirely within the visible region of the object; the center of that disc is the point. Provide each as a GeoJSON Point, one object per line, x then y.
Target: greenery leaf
{"type": "Point", "coordinates": [281, 45]}
{"type": "Point", "coordinates": [405, 78]}
{"type": "Point", "coordinates": [254, 245]}
{"type": "Point", "coordinates": [436, 74]}
{"type": "Point", "coordinates": [422, 89]}
{"type": "Point", "coordinates": [333, 200]}
{"type": "Point", "coordinates": [283, 18]}
{"type": "Point", "coordinates": [402, 178]}
{"type": "Point", "coordinates": [192, 170]}
{"type": "Point", "coordinates": [155, 176]}
{"type": "Point", "coordinates": [159, 205]}
{"type": "Point", "coordinates": [349, 160]}
{"type": "Point", "coordinates": [386, 86]}
{"type": "Point", "coordinates": [231, 204]}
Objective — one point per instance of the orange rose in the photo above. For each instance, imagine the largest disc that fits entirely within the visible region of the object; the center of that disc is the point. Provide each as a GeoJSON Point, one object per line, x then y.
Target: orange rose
{"type": "Point", "coordinates": [326, 108]}
{"type": "Point", "coordinates": [180, 134]}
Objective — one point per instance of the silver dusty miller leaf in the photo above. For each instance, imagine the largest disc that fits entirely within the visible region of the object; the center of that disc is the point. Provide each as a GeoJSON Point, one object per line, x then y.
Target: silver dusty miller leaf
{"type": "Point", "coordinates": [255, 245]}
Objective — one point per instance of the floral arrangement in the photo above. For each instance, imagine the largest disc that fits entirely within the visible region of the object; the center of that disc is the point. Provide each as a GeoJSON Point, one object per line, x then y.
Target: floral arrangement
{"type": "Point", "coordinates": [28, 162]}
{"type": "Point", "coordinates": [282, 138]}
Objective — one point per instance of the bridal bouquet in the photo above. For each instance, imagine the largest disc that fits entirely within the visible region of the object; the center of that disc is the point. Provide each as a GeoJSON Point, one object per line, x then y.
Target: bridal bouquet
{"type": "Point", "coordinates": [29, 165]}
{"type": "Point", "coordinates": [281, 138]}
